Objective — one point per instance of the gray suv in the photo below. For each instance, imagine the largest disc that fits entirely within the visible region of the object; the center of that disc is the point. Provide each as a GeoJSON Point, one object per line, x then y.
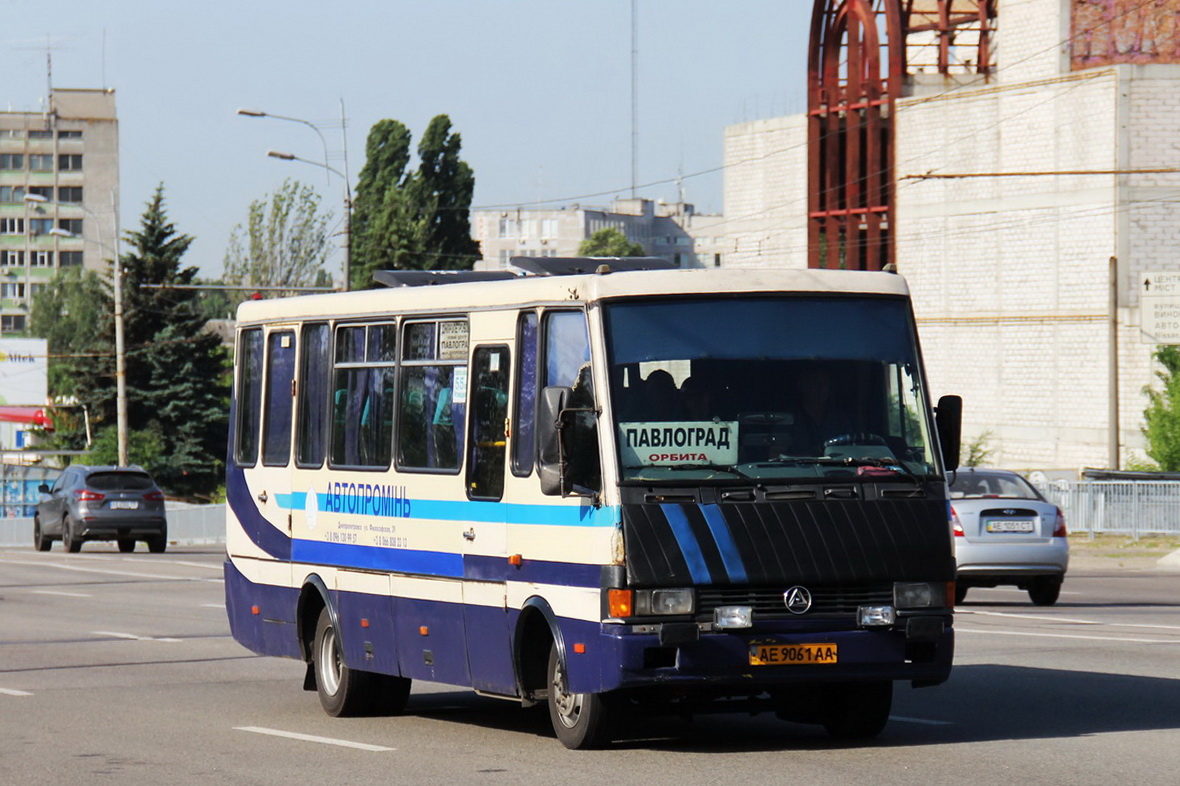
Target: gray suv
{"type": "Point", "coordinates": [101, 503]}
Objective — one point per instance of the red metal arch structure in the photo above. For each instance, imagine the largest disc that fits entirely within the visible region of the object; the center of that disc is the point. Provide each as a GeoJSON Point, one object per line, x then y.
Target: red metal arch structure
{"type": "Point", "coordinates": [857, 67]}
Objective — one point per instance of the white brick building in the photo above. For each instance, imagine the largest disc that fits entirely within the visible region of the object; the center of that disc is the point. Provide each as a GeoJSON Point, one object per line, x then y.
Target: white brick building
{"type": "Point", "coordinates": [1009, 259]}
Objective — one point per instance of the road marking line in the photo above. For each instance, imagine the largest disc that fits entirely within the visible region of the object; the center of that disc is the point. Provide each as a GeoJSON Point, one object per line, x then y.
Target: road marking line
{"type": "Point", "coordinates": [11, 692]}
{"type": "Point", "coordinates": [1037, 617]}
{"type": "Point", "coordinates": [1049, 618]}
{"type": "Point", "coordinates": [311, 738]}
{"type": "Point", "coordinates": [213, 605]}
{"type": "Point", "coordinates": [1066, 636]}
{"type": "Point", "coordinates": [923, 721]}
{"type": "Point", "coordinates": [131, 636]}
{"type": "Point", "coordinates": [82, 569]}
{"type": "Point", "coordinates": [1015, 589]}
{"type": "Point", "coordinates": [63, 594]}
{"type": "Point", "coordinates": [204, 565]}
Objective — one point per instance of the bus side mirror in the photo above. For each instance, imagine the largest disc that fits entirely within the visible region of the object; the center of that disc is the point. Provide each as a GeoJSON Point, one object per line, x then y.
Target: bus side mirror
{"type": "Point", "coordinates": [948, 416]}
{"type": "Point", "coordinates": [550, 454]}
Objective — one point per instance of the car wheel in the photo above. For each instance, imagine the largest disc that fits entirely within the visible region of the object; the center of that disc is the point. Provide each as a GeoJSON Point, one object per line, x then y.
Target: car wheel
{"type": "Point", "coordinates": [343, 691]}
{"type": "Point", "coordinates": [40, 541]}
{"type": "Point", "coordinates": [69, 540]}
{"type": "Point", "coordinates": [857, 711]}
{"type": "Point", "coordinates": [126, 545]}
{"type": "Point", "coordinates": [157, 543]}
{"type": "Point", "coordinates": [579, 719]}
{"type": "Point", "coordinates": [1044, 592]}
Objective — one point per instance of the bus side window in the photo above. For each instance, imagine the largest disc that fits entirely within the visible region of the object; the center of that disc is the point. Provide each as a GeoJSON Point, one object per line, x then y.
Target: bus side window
{"type": "Point", "coordinates": [489, 410]}
{"type": "Point", "coordinates": [433, 399]}
{"type": "Point", "coordinates": [524, 444]}
{"type": "Point", "coordinates": [567, 364]}
{"type": "Point", "coordinates": [362, 397]}
{"type": "Point", "coordinates": [276, 424]}
{"type": "Point", "coordinates": [313, 396]}
{"type": "Point", "coordinates": [249, 397]}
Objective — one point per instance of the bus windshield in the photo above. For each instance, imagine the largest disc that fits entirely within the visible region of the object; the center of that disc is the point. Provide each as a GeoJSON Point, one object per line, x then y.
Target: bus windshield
{"type": "Point", "coordinates": [764, 389]}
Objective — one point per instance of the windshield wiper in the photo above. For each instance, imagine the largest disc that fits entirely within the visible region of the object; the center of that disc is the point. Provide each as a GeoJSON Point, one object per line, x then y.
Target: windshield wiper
{"type": "Point", "coordinates": [893, 465]}
{"type": "Point", "coordinates": [728, 468]}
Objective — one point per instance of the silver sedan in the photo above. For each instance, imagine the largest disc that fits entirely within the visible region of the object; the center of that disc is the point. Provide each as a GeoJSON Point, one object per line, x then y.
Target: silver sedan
{"type": "Point", "coordinates": [1007, 533]}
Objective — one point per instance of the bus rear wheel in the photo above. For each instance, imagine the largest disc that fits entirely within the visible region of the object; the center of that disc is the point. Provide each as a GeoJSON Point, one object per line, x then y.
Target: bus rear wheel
{"type": "Point", "coordinates": [343, 691]}
{"type": "Point", "coordinates": [579, 719]}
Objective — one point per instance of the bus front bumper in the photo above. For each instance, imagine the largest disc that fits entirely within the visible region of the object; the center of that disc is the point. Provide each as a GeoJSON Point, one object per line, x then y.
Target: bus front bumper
{"type": "Point", "coordinates": [919, 650]}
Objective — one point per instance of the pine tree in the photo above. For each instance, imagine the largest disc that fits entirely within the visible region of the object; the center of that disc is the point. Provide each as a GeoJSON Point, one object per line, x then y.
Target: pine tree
{"type": "Point", "coordinates": [176, 372]}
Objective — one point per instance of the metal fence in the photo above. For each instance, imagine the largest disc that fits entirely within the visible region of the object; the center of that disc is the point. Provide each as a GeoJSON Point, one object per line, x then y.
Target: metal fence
{"type": "Point", "coordinates": [1120, 507]}
{"type": "Point", "coordinates": [195, 525]}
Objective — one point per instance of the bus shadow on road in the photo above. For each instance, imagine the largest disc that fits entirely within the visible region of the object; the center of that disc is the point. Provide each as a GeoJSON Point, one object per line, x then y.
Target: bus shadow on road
{"type": "Point", "coordinates": [995, 702]}
{"type": "Point", "coordinates": [981, 703]}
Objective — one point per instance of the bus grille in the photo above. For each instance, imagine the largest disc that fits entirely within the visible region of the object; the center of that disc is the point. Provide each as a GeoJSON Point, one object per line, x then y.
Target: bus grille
{"type": "Point", "coordinates": [768, 602]}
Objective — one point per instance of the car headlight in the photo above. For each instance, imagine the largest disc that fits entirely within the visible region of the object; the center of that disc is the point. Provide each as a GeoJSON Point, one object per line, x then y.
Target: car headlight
{"type": "Point", "coordinates": [920, 595]}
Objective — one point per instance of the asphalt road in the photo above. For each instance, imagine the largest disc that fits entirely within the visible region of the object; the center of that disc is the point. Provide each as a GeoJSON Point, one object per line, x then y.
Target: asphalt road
{"type": "Point", "coordinates": [120, 669]}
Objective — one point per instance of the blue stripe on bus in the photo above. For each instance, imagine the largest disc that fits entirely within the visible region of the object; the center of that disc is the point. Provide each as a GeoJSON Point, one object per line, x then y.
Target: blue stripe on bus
{"type": "Point", "coordinates": [445, 564]}
{"type": "Point", "coordinates": [565, 574]}
{"type": "Point", "coordinates": [687, 541]}
{"type": "Point", "coordinates": [462, 510]}
{"type": "Point", "coordinates": [428, 563]}
{"type": "Point", "coordinates": [730, 554]}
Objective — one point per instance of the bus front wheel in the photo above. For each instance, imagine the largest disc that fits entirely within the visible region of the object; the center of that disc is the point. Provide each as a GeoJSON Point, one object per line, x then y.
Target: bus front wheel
{"type": "Point", "coordinates": [579, 719]}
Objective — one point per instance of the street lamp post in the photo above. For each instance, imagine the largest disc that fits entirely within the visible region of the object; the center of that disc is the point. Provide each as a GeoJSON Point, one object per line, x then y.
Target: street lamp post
{"type": "Point", "coordinates": [347, 208]}
{"type": "Point", "coordinates": [309, 124]}
{"type": "Point", "coordinates": [117, 286]}
{"type": "Point", "coordinates": [328, 171]}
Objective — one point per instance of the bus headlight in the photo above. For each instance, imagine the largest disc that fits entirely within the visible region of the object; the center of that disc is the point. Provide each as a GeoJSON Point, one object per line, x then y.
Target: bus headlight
{"type": "Point", "coordinates": [650, 603]}
{"type": "Point", "coordinates": [729, 617]}
{"type": "Point", "coordinates": [924, 595]}
{"type": "Point", "coordinates": [876, 616]}
{"type": "Point", "coordinates": [664, 602]}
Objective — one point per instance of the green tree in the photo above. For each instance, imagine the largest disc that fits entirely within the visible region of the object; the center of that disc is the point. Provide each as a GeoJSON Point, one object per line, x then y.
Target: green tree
{"type": "Point", "coordinates": [412, 220]}
{"type": "Point", "coordinates": [177, 383]}
{"type": "Point", "coordinates": [442, 192]}
{"type": "Point", "coordinates": [284, 242]}
{"type": "Point", "coordinates": [978, 450]}
{"type": "Point", "coordinates": [73, 312]}
{"type": "Point", "coordinates": [1162, 416]}
{"type": "Point", "coordinates": [610, 242]}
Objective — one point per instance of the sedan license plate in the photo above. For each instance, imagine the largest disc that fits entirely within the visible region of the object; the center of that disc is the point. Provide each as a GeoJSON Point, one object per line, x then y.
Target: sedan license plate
{"type": "Point", "coordinates": [1011, 525]}
{"type": "Point", "coordinates": [124, 505]}
{"type": "Point", "coordinates": [791, 654]}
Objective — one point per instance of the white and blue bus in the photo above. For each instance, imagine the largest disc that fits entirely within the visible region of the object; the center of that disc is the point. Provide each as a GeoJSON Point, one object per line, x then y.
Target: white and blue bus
{"type": "Point", "coordinates": [596, 485]}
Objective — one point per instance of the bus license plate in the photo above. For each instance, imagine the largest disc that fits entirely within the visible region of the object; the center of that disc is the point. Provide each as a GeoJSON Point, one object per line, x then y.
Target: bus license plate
{"type": "Point", "coordinates": [791, 654]}
{"type": "Point", "coordinates": [1011, 525]}
{"type": "Point", "coordinates": [124, 505]}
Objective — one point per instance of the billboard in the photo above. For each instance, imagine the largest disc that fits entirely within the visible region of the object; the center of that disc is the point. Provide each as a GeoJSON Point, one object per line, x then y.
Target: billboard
{"type": "Point", "coordinates": [24, 371]}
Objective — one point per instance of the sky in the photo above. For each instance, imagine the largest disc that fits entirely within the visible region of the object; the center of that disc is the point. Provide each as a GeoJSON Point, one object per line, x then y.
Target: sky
{"type": "Point", "coordinates": [539, 90]}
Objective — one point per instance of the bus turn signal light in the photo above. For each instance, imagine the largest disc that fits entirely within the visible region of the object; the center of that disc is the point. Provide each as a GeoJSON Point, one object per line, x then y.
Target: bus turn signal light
{"type": "Point", "coordinates": [619, 602]}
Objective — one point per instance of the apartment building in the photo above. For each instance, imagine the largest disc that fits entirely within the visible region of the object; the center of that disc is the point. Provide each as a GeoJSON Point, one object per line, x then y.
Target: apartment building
{"type": "Point", "coordinates": [675, 232]}
{"type": "Point", "coordinates": [59, 182]}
